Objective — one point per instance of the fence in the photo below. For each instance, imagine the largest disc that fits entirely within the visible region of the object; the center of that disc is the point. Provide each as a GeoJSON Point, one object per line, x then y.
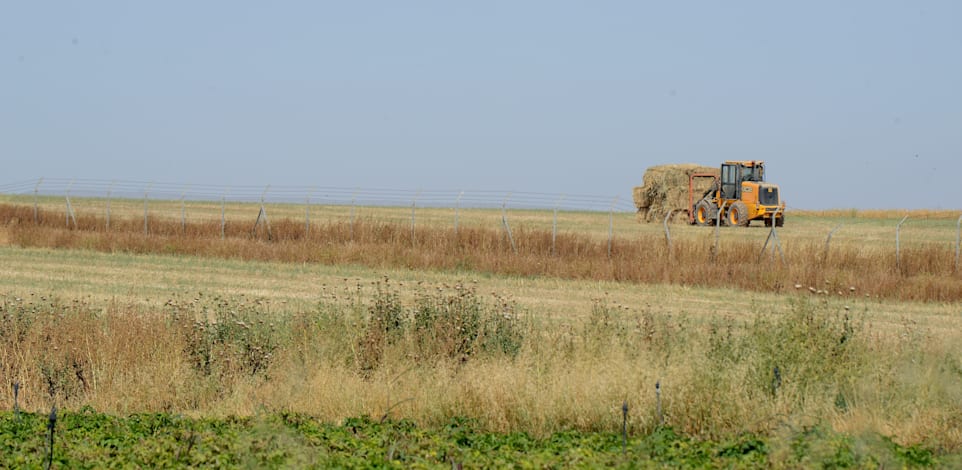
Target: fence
{"type": "Point", "coordinates": [327, 195]}
{"type": "Point", "coordinates": [108, 192]}
{"type": "Point", "coordinates": [114, 192]}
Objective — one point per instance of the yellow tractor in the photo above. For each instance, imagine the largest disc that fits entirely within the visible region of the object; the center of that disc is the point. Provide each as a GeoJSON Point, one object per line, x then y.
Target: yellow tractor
{"type": "Point", "coordinates": [740, 196]}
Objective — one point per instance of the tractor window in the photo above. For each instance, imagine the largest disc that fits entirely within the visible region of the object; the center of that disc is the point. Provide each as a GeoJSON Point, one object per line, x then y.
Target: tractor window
{"type": "Point", "coordinates": [752, 173]}
{"type": "Point", "coordinates": [730, 182]}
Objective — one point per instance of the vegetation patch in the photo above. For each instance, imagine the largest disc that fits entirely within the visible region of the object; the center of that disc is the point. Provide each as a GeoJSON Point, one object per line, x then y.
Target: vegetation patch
{"type": "Point", "coordinates": [87, 439]}
{"type": "Point", "coordinates": [925, 271]}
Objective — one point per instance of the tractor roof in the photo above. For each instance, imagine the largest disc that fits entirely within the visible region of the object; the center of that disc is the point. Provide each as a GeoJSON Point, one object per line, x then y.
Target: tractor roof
{"type": "Point", "coordinates": [748, 163]}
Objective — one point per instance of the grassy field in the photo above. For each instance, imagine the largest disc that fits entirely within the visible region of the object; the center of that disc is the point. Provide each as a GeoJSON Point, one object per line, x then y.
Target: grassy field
{"type": "Point", "coordinates": [868, 229]}
{"type": "Point", "coordinates": [146, 328]}
{"type": "Point", "coordinates": [925, 269]}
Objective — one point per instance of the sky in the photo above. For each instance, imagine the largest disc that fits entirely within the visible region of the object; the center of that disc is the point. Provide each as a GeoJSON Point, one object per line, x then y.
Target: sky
{"type": "Point", "coordinates": [853, 104]}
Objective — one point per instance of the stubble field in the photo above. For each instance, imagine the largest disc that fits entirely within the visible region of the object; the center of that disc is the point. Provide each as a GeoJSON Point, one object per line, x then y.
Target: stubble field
{"type": "Point", "coordinates": [360, 321]}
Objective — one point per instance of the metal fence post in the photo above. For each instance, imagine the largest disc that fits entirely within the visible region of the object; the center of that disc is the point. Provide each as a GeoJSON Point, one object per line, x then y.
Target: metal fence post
{"type": "Point", "coordinates": [223, 218]}
{"type": "Point", "coordinates": [69, 211]}
{"type": "Point", "coordinates": [661, 417]}
{"type": "Point", "coordinates": [718, 219]}
{"type": "Point", "coordinates": [611, 224]}
{"type": "Point", "coordinates": [504, 221]}
{"type": "Point", "coordinates": [773, 237]}
{"type": "Point", "coordinates": [414, 204]}
{"type": "Point", "coordinates": [898, 249]}
{"type": "Point", "coordinates": [353, 202]}
{"type": "Point", "coordinates": [110, 190]}
{"type": "Point", "coordinates": [827, 241]}
{"type": "Point", "coordinates": [554, 225]}
{"type": "Point", "coordinates": [146, 190]}
{"type": "Point", "coordinates": [183, 212]}
{"type": "Point", "coordinates": [958, 241]}
{"type": "Point", "coordinates": [36, 210]}
{"type": "Point", "coordinates": [307, 215]}
{"type": "Point", "coordinates": [262, 215]}
{"type": "Point", "coordinates": [457, 209]}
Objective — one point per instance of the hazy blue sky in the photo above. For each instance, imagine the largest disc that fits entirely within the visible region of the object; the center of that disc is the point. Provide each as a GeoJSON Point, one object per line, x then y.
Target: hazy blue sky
{"type": "Point", "coordinates": [853, 104]}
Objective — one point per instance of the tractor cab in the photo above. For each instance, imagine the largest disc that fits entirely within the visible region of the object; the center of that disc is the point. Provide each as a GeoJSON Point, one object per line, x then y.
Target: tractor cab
{"type": "Point", "coordinates": [733, 174]}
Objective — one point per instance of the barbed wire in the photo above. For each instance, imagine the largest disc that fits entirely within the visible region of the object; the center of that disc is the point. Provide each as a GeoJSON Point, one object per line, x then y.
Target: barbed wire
{"type": "Point", "coordinates": [327, 195]}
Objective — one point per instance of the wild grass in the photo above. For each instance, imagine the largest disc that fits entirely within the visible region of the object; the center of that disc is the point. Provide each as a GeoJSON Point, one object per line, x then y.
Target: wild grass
{"type": "Point", "coordinates": [432, 354]}
{"type": "Point", "coordinates": [927, 270]}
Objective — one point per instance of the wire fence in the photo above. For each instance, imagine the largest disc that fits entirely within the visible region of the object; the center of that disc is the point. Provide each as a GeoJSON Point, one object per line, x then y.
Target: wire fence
{"type": "Point", "coordinates": [326, 195]}
{"type": "Point", "coordinates": [133, 191]}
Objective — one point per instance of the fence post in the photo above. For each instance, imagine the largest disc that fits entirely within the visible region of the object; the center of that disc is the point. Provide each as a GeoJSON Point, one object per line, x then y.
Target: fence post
{"type": "Point", "coordinates": [661, 417]}
{"type": "Point", "coordinates": [898, 250]}
{"type": "Point", "coordinates": [611, 224]}
{"type": "Point", "coordinates": [69, 211]}
{"type": "Point", "coordinates": [66, 210]}
{"type": "Point", "coordinates": [146, 190]}
{"type": "Point", "coordinates": [51, 427]}
{"type": "Point", "coordinates": [718, 219]}
{"type": "Point", "coordinates": [827, 241]}
{"type": "Point", "coordinates": [36, 210]}
{"type": "Point", "coordinates": [262, 215]}
{"type": "Point", "coordinates": [624, 427]}
{"type": "Point", "coordinates": [353, 202]}
{"type": "Point", "coordinates": [773, 237]}
{"type": "Point", "coordinates": [504, 221]}
{"type": "Point", "coordinates": [777, 241]}
{"type": "Point", "coordinates": [110, 191]}
{"type": "Point", "coordinates": [554, 225]}
{"type": "Point", "coordinates": [668, 232]}
{"type": "Point", "coordinates": [307, 215]}
{"type": "Point", "coordinates": [958, 240]}
{"type": "Point", "coordinates": [223, 218]}
{"type": "Point", "coordinates": [457, 209]}
{"type": "Point", "coordinates": [414, 204]}
{"type": "Point", "coordinates": [16, 401]}
{"type": "Point", "coordinates": [183, 212]}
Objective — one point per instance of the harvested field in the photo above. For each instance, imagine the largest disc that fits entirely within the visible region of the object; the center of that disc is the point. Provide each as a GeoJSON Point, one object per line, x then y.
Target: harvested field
{"type": "Point", "coordinates": [150, 333]}
{"type": "Point", "coordinates": [181, 321]}
{"type": "Point", "coordinates": [666, 188]}
{"type": "Point", "coordinates": [927, 271]}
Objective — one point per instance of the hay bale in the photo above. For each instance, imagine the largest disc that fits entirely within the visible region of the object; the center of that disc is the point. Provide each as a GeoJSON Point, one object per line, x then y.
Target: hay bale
{"type": "Point", "coordinates": [666, 188]}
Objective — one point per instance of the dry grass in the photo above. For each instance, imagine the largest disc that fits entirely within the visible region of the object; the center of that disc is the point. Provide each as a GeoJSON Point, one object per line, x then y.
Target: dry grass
{"type": "Point", "coordinates": [838, 367]}
{"type": "Point", "coordinates": [712, 349]}
{"type": "Point", "coordinates": [927, 271]}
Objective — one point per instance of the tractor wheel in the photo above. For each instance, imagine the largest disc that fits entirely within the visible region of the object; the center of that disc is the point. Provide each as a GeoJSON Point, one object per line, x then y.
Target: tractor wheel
{"type": "Point", "coordinates": [737, 215]}
{"type": "Point", "coordinates": [703, 213]}
{"type": "Point", "coordinates": [780, 221]}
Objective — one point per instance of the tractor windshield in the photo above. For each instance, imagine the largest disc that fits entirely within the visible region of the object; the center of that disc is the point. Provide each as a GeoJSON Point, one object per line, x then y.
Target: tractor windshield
{"type": "Point", "coordinates": [753, 173]}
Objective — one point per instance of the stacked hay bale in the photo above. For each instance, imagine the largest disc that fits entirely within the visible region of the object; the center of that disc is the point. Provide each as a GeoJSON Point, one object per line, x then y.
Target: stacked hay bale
{"type": "Point", "coordinates": [666, 188]}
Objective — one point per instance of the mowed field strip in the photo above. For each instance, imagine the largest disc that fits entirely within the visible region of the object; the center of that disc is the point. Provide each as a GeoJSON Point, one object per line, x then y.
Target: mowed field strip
{"type": "Point", "coordinates": [152, 279]}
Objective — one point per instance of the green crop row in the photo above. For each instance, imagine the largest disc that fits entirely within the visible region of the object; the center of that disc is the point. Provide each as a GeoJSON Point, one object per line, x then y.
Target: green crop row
{"type": "Point", "coordinates": [87, 439]}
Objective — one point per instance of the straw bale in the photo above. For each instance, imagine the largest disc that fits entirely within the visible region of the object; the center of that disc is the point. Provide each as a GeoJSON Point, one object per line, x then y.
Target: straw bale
{"type": "Point", "coordinates": [666, 188]}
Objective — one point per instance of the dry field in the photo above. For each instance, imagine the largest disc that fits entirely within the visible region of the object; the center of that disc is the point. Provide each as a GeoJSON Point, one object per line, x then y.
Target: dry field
{"type": "Point", "coordinates": [125, 322]}
{"type": "Point", "coordinates": [862, 253]}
